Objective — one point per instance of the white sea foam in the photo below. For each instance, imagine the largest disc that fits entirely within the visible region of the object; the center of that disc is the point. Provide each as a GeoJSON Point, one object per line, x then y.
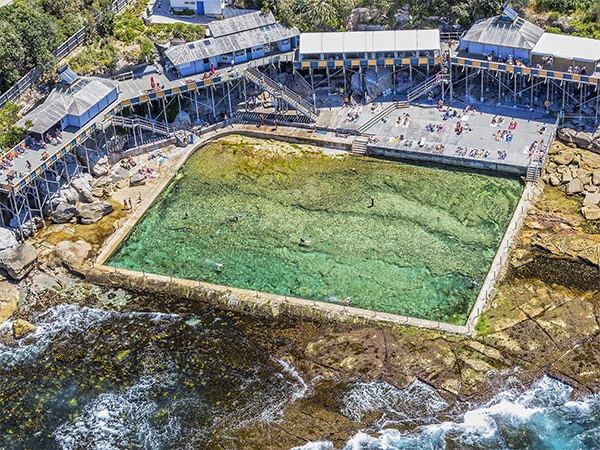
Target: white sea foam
{"type": "Point", "coordinates": [540, 417]}
{"type": "Point", "coordinates": [417, 400]}
{"type": "Point", "coordinates": [59, 319]}
{"type": "Point", "coordinates": [317, 445]}
{"type": "Point", "coordinates": [116, 418]}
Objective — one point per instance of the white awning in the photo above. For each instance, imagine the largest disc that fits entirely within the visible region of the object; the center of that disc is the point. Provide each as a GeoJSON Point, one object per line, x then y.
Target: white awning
{"type": "Point", "coordinates": [568, 47]}
{"type": "Point", "coordinates": [369, 41]}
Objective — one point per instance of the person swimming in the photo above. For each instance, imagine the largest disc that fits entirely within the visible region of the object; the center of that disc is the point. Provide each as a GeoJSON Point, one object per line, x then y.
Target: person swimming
{"type": "Point", "coordinates": [304, 242]}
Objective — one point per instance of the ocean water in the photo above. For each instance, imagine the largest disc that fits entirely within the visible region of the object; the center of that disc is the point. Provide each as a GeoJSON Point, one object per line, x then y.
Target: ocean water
{"type": "Point", "coordinates": [107, 380]}
{"type": "Point", "coordinates": [541, 417]}
{"type": "Point", "coordinates": [391, 237]}
{"type": "Point", "coordinates": [97, 379]}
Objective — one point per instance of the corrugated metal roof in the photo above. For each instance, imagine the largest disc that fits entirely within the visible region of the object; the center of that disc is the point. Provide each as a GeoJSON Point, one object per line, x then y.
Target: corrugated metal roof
{"type": "Point", "coordinates": [198, 50]}
{"type": "Point", "coordinates": [241, 23]}
{"type": "Point", "coordinates": [568, 47]}
{"type": "Point", "coordinates": [228, 13]}
{"type": "Point", "coordinates": [503, 32]}
{"type": "Point", "coordinates": [68, 100]}
{"type": "Point", "coordinates": [368, 41]}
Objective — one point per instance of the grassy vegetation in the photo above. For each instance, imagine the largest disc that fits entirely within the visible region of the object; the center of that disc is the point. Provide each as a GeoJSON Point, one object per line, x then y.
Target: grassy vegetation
{"type": "Point", "coordinates": [128, 39]}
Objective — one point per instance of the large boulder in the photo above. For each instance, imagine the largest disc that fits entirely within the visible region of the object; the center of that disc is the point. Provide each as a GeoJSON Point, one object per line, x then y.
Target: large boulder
{"type": "Point", "coordinates": [96, 161]}
{"type": "Point", "coordinates": [592, 198]}
{"type": "Point", "coordinates": [137, 179]}
{"type": "Point", "coordinates": [18, 261]}
{"type": "Point", "coordinates": [575, 186]}
{"type": "Point", "coordinates": [92, 212]}
{"type": "Point", "coordinates": [119, 173]}
{"type": "Point", "coordinates": [564, 158]}
{"type": "Point", "coordinates": [375, 82]}
{"type": "Point", "coordinates": [591, 212]}
{"type": "Point", "coordinates": [72, 253]}
{"type": "Point", "coordinates": [83, 185]}
{"type": "Point", "coordinates": [583, 139]}
{"type": "Point", "coordinates": [579, 138]}
{"type": "Point", "coordinates": [63, 213]}
{"type": "Point", "coordinates": [9, 299]}
{"type": "Point", "coordinates": [64, 195]}
{"type": "Point", "coordinates": [7, 239]}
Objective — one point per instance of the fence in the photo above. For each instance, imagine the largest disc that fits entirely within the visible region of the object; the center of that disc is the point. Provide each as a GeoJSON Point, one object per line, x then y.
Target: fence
{"type": "Point", "coordinates": [61, 52]}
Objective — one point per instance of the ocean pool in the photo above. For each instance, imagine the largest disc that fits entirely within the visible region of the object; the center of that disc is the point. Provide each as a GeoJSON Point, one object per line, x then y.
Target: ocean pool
{"type": "Point", "coordinates": [393, 237]}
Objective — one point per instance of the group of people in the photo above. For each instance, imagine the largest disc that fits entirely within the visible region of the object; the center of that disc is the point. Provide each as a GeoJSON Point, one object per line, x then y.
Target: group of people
{"type": "Point", "coordinates": [535, 151]}
{"type": "Point", "coordinates": [404, 121]}
{"type": "Point", "coordinates": [473, 153]}
{"type": "Point", "coordinates": [435, 128]}
{"type": "Point", "coordinates": [461, 128]}
{"type": "Point", "coordinates": [55, 138]}
{"type": "Point", "coordinates": [577, 70]}
{"type": "Point", "coordinates": [128, 163]}
{"type": "Point", "coordinates": [353, 114]}
{"type": "Point", "coordinates": [503, 136]}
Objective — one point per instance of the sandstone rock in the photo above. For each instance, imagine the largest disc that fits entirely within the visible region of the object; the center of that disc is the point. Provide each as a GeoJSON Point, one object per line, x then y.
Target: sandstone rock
{"type": "Point", "coordinates": [567, 176]}
{"type": "Point", "coordinates": [119, 173]}
{"type": "Point", "coordinates": [9, 299]}
{"type": "Point", "coordinates": [583, 139]}
{"type": "Point", "coordinates": [83, 185]}
{"type": "Point", "coordinates": [72, 253]}
{"type": "Point", "coordinates": [22, 328]}
{"type": "Point", "coordinates": [63, 213]}
{"type": "Point", "coordinates": [92, 212]}
{"type": "Point", "coordinates": [591, 212]}
{"type": "Point", "coordinates": [17, 261]}
{"type": "Point", "coordinates": [375, 82]}
{"type": "Point", "coordinates": [7, 239]}
{"type": "Point", "coordinates": [575, 186]}
{"type": "Point", "coordinates": [566, 135]}
{"type": "Point", "coordinates": [96, 161]}
{"type": "Point", "coordinates": [590, 188]}
{"type": "Point", "coordinates": [596, 178]}
{"type": "Point", "coordinates": [592, 199]}
{"type": "Point", "coordinates": [564, 158]}
{"type": "Point", "coordinates": [122, 184]}
{"type": "Point", "coordinates": [553, 180]}
{"type": "Point", "coordinates": [137, 179]}
{"type": "Point", "coordinates": [63, 195]}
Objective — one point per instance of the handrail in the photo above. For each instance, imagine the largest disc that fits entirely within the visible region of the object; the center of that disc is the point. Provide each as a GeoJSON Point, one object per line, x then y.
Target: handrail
{"type": "Point", "coordinates": [426, 85]}
{"type": "Point", "coordinates": [378, 117]}
{"type": "Point", "coordinates": [279, 90]}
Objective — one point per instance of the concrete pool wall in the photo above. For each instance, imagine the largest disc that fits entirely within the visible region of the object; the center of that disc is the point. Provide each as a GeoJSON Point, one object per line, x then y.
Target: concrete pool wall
{"type": "Point", "coordinates": [270, 304]}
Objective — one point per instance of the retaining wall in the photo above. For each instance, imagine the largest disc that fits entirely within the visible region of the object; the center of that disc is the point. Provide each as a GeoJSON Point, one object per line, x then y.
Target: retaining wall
{"type": "Point", "coordinates": [249, 302]}
{"type": "Point", "coordinates": [446, 160]}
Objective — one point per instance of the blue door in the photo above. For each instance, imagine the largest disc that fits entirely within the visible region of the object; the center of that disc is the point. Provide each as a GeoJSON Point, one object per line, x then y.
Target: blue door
{"type": "Point", "coordinates": [200, 7]}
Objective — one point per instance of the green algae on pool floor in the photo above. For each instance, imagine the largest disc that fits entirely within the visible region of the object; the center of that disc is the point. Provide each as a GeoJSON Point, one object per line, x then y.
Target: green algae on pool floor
{"type": "Point", "coordinates": [394, 237]}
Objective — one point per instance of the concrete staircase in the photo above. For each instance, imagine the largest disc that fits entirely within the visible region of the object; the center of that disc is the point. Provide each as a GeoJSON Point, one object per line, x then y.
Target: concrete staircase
{"type": "Point", "coordinates": [427, 86]}
{"type": "Point", "coordinates": [359, 145]}
{"type": "Point", "coordinates": [534, 171]}
{"type": "Point", "coordinates": [387, 111]}
{"type": "Point", "coordinates": [282, 92]}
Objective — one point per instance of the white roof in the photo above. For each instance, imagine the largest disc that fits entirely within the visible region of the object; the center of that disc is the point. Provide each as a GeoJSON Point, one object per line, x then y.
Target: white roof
{"type": "Point", "coordinates": [568, 47]}
{"type": "Point", "coordinates": [369, 41]}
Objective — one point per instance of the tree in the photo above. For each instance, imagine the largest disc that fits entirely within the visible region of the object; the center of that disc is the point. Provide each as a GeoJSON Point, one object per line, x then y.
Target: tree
{"type": "Point", "coordinates": [12, 55]}
{"type": "Point", "coordinates": [38, 34]}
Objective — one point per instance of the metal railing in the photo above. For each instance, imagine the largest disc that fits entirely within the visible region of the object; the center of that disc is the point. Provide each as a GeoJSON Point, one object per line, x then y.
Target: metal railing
{"type": "Point", "coordinates": [426, 86]}
{"type": "Point", "coordinates": [278, 90]}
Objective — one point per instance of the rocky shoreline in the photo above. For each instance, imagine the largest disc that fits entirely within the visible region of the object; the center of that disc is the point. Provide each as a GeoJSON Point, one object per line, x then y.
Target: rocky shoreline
{"type": "Point", "coordinates": [543, 319]}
